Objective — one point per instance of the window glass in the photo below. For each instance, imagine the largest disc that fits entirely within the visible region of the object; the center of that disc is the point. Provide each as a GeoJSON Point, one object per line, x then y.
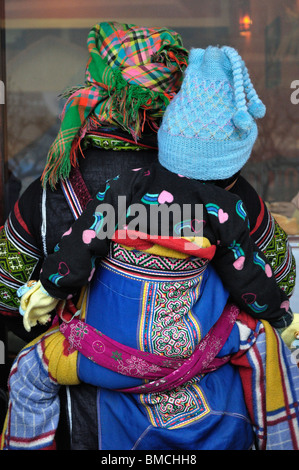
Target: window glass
{"type": "Point", "coordinates": [46, 52]}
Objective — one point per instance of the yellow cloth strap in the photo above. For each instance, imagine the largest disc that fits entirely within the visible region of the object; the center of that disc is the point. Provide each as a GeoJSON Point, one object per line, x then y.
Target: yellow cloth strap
{"type": "Point", "coordinates": [274, 391]}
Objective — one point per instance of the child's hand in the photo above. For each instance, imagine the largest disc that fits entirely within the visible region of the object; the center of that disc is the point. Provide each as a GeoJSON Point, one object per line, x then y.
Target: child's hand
{"type": "Point", "coordinates": [291, 333]}
{"type": "Point", "coordinates": [36, 304]}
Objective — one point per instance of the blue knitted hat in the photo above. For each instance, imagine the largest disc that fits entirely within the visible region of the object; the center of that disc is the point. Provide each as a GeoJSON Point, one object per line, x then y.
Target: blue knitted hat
{"type": "Point", "coordinates": [209, 129]}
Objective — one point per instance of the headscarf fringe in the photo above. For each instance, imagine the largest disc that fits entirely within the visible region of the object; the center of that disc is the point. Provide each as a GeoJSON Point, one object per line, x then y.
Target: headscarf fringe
{"type": "Point", "coordinates": [129, 106]}
{"type": "Point", "coordinates": [61, 158]}
{"type": "Point", "coordinates": [65, 94]}
{"type": "Point", "coordinates": [132, 105]}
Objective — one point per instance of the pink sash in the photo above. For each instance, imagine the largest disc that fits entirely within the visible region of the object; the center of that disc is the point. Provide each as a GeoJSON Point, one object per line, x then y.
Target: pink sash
{"type": "Point", "coordinates": [162, 372]}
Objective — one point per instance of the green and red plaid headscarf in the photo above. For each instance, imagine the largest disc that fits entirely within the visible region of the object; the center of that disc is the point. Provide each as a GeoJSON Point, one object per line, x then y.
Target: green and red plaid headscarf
{"type": "Point", "coordinates": [131, 76]}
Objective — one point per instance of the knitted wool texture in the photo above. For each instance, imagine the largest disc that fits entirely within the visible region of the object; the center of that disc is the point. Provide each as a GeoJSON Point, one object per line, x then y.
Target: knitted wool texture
{"type": "Point", "coordinates": [209, 128]}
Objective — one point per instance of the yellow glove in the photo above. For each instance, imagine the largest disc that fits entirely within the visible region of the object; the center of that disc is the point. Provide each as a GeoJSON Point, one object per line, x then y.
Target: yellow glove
{"type": "Point", "coordinates": [290, 333]}
{"type": "Point", "coordinates": [36, 304]}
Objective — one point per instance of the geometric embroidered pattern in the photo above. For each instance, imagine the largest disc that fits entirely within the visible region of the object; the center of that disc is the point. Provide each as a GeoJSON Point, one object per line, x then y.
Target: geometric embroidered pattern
{"type": "Point", "coordinates": [276, 248]}
{"type": "Point", "coordinates": [167, 327]}
{"type": "Point", "coordinates": [109, 143]}
{"type": "Point", "coordinates": [8, 298]}
{"type": "Point", "coordinates": [166, 324]}
{"type": "Point", "coordinates": [19, 265]}
{"type": "Point", "coordinates": [176, 408]}
{"type": "Point", "coordinates": [17, 262]}
{"type": "Point", "coordinates": [155, 262]}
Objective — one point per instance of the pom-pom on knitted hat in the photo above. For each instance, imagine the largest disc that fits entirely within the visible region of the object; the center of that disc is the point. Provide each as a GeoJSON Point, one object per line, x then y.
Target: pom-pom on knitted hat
{"type": "Point", "coordinates": [209, 128]}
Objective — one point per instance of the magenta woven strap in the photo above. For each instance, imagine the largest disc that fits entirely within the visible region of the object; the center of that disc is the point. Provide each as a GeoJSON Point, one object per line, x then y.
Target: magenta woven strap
{"type": "Point", "coordinates": [203, 359]}
{"type": "Point", "coordinates": [115, 356]}
{"type": "Point", "coordinates": [162, 372]}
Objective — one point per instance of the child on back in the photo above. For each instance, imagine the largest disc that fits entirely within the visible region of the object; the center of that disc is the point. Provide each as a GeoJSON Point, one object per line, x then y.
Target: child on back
{"type": "Point", "coordinates": [206, 137]}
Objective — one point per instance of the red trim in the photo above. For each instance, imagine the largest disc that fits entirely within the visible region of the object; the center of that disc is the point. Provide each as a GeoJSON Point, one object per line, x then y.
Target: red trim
{"type": "Point", "coordinates": [20, 218]}
{"type": "Point", "coordinates": [144, 241]}
{"type": "Point", "coordinates": [260, 217]}
{"type": "Point", "coordinates": [12, 313]}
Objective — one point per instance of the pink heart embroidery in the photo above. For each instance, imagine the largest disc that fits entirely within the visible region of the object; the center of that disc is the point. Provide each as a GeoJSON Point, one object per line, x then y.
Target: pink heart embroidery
{"type": "Point", "coordinates": [63, 268]}
{"type": "Point", "coordinates": [87, 236]}
{"type": "Point", "coordinates": [68, 232]}
{"type": "Point", "coordinates": [268, 270]}
{"type": "Point", "coordinates": [222, 216]}
{"type": "Point", "coordinates": [239, 263]}
{"type": "Point", "coordinates": [165, 196]}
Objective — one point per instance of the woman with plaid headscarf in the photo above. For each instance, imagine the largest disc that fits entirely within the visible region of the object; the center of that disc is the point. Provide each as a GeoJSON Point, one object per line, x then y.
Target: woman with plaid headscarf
{"type": "Point", "coordinates": [131, 76]}
{"type": "Point", "coordinates": [109, 124]}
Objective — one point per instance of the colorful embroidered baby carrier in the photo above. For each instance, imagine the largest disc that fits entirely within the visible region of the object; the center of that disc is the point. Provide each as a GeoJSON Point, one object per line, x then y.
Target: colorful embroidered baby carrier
{"type": "Point", "coordinates": [163, 284]}
{"type": "Point", "coordinates": [202, 409]}
{"type": "Point", "coordinates": [189, 405]}
{"type": "Point", "coordinates": [165, 356]}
